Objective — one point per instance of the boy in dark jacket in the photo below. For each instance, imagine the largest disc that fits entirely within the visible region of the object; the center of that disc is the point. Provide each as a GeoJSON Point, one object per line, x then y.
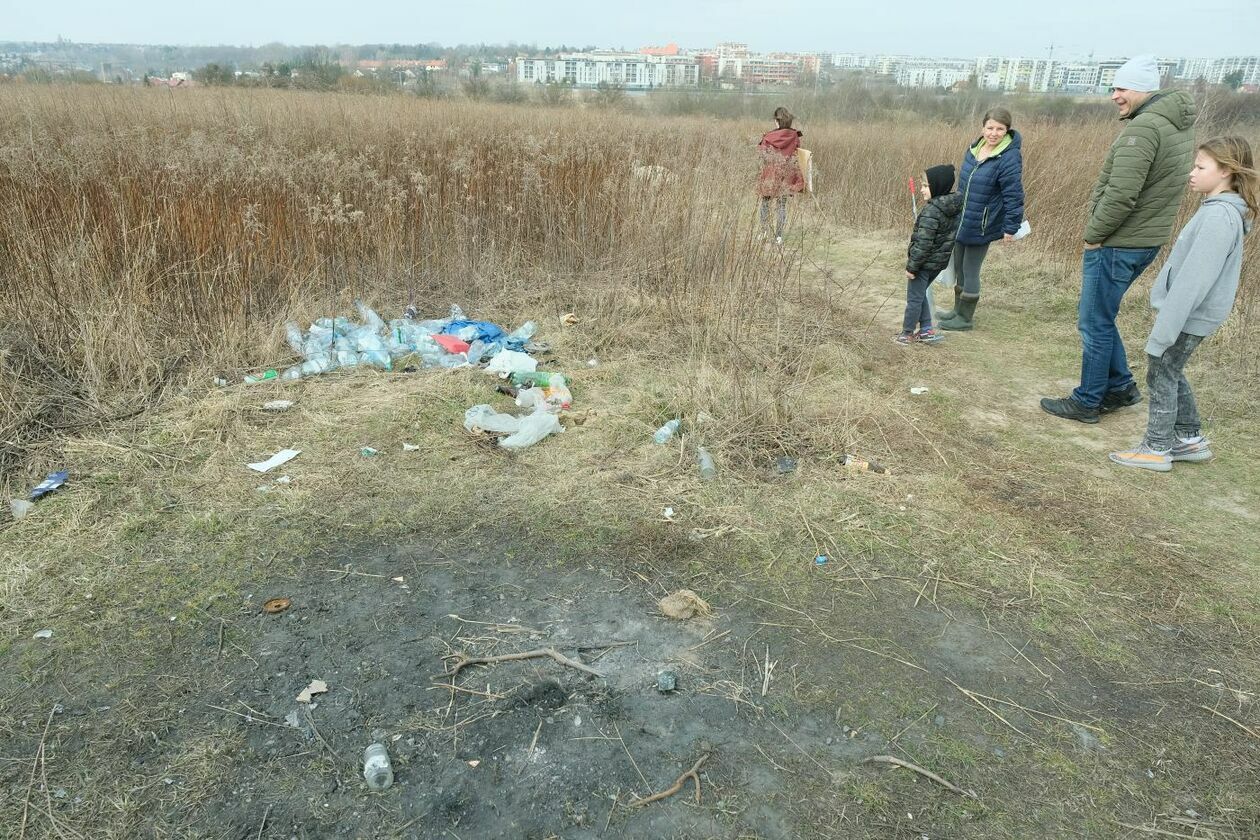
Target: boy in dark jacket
{"type": "Point", "coordinates": [931, 244]}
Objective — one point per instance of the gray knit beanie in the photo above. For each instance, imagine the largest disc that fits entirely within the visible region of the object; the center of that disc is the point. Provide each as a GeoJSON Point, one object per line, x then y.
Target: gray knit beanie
{"type": "Point", "coordinates": [1140, 73]}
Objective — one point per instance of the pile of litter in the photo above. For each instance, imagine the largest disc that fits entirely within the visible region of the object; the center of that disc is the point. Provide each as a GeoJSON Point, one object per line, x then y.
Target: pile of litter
{"type": "Point", "coordinates": [452, 342]}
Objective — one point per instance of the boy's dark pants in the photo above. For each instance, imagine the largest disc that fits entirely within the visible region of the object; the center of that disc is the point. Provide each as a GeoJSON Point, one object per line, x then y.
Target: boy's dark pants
{"type": "Point", "coordinates": [917, 309]}
{"type": "Point", "coordinates": [1173, 412]}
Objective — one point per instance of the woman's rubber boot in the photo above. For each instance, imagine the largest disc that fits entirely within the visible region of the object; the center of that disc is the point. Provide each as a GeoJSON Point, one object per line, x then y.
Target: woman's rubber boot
{"type": "Point", "coordinates": [964, 319]}
{"type": "Point", "coordinates": [944, 315]}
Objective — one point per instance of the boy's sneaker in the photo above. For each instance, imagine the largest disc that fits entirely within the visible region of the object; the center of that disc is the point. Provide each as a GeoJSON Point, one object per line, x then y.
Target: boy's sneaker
{"type": "Point", "coordinates": [1143, 457]}
{"type": "Point", "coordinates": [930, 336]}
{"type": "Point", "coordinates": [905, 339]}
{"type": "Point", "coordinates": [1123, 398]}
{"type": "Point", "coordinates": [1191, 449]}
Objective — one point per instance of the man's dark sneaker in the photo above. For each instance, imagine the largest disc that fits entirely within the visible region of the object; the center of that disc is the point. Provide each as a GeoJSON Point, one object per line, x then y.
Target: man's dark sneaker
{"type": "Point", "coordinates": [1069, 409]}
{"type": "Point", "coordinates": [1123, 398]}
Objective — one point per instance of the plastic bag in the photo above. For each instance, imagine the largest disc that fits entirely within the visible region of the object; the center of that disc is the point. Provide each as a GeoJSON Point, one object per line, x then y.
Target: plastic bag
{"type": "Point", "coordinates": [486, 419]}
{"type": "Point", "coordinates": [533, 428]}
{"type": "Point", "coordinates": [531, 398]}
{"type": "Point", "coordinates": [511, 361]}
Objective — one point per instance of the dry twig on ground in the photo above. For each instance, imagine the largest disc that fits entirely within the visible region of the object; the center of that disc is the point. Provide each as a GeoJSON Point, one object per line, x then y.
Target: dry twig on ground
{"type": "Point", "coordinates": [927, 774]}
{"type": "Point", "coordinates": [463, 660]}
{"type": "Point", "coordinates": [692, 774]}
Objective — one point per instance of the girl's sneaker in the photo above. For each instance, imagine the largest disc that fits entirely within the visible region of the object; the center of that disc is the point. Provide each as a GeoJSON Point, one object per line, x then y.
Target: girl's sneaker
{"type": "Point", "coordinates": [930, 336]}
{"type": "Point", "coordinates": [905, 338]}
{"type": "Point", "coordinates": [1191, 449]}
{"type": "Point", "coordinates": [1144, 457]}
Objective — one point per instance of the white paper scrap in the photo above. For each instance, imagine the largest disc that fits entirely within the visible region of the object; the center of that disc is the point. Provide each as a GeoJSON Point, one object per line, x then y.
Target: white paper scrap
{"type": "Point", "coordinates": [281, 457]}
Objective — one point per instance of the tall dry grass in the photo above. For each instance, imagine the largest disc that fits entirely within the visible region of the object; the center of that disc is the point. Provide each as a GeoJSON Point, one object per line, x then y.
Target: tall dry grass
{"type": "Point", "coordinates": [146, 235]}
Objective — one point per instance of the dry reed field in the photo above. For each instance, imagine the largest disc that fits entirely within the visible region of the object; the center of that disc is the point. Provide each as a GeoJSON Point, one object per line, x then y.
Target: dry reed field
{"type": "Point", "coordinates": [1070, 652]}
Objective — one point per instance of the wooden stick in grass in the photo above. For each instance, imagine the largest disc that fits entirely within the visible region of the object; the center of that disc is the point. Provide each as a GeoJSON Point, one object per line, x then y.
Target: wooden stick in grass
{"type": "Point", "coordinates": [925, 773]}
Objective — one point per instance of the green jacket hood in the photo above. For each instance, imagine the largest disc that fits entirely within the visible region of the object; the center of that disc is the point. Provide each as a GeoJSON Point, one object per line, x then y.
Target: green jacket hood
{"type": "Point", "coordinates": [1176, 106]}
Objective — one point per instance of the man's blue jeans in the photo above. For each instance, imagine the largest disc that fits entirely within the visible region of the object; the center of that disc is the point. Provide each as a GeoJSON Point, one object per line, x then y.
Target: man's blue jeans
{"type": "Point", "coordinates": [1106, 274]}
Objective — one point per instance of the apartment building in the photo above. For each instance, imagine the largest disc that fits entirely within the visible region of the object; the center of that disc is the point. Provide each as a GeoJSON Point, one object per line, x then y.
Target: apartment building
{"type": "Point", "coordinates": [633, 71]}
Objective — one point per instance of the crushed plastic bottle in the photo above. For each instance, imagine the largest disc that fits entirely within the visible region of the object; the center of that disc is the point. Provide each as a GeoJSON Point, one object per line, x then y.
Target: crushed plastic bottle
{"type": "Point", "coordinates": [475, 351]}
{"type": "Point", "coordinates": [370, 319]}
{"type": "Point", "coordinates": [457, 313]}
{"type": "Point", "coordinates": [524, 332]}
{"type": "Point", "coordinates": [377, 770]}
{"type": "Point", "coordinates": [666, 432]}
{"type": "Point", "coordinates": [372, 349]}
{"type": "Point", "coordinates": [293, 334]}
{"type": "Point", "coordinates": [708, 471]}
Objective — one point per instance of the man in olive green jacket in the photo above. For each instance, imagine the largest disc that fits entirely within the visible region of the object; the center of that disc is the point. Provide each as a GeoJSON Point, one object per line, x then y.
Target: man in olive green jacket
{"type": "Point", "coordinates": [1132, 213]}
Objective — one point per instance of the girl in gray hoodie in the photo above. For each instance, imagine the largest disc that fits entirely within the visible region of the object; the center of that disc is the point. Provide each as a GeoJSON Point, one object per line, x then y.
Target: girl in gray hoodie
{"type": "Point", "coordinates": [1192, 297]}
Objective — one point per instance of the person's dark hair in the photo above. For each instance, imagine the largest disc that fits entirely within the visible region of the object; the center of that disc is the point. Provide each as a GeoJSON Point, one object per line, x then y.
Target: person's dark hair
{"type": "Point", "coordinates": [998, 115]}
{"type": "Point", "coordinates": [783, 117]}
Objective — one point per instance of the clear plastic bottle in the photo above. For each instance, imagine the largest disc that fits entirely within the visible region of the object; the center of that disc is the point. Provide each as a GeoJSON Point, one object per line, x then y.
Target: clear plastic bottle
{"type": "Point", "coordinates": [370, 319]}
{"type": "Point", "coordinates": [664, 433]}
{"type": "Point", "coordinates": [557, 392]}
{"type": "Point", "coordinates": [317, 363]}
{"type": "Point", "coordinates": [475, 351]}
{"type": "Point", "coordinates": [293, 334]}
{"type": "Point", "coordinates": [377, 770]}
{"type": "Point", "coordinates": [708, 471]}
{"type": "Point", "coordinates": [524, 332]}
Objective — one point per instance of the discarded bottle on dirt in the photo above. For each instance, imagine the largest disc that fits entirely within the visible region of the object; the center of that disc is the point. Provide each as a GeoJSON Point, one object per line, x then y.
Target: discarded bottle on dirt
{"type": "Point", "coordinates": [376, 767]}
{"type": "Point", "coordinates": [708, 471]}
{"type": "Point", "coordinates": [664, 433]}
{"type": "Point", "coordinates": [261, 377]}
{"type": "Point", "coordinates": [859, 465]}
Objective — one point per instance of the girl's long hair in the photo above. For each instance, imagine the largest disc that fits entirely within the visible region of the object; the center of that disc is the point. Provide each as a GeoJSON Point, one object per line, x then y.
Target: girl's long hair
{"type": "Point", "coordinates": [1233, 154]}
{"type": "Point", "coordinates": [783, 117]}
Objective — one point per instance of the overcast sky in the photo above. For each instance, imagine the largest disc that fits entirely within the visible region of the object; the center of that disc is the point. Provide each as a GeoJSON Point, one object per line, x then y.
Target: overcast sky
{"type": "Point", "coordinates": [920, 27]}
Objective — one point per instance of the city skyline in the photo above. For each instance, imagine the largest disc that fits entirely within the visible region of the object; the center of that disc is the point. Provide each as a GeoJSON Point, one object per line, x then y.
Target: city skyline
{"type": "Point", "coordinates": [1073, 29]}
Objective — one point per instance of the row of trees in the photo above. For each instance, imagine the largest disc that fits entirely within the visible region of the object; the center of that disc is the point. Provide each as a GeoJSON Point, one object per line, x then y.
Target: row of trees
{"type": "Point", "coordinates": [312, 70]}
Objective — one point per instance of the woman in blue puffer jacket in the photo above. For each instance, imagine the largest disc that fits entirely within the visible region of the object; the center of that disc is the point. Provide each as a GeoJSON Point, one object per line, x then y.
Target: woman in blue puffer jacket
{"type": "Point", "coordinates": [993, 208]}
